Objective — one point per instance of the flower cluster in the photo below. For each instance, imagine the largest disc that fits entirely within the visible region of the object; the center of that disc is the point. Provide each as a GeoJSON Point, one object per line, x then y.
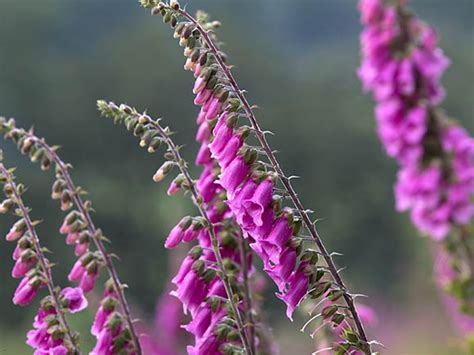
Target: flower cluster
{"type": "Point", "coordinates": [268, 227]}
{"type": "Point", "coordinates": [47, 337]}
{"type": "Point", "coordinates": [402, 67]}
{"type": "Point", "coordinates": [249, 186]}
{"type": "Point", "coordinates": [78, 226]}
{"type": "Point", "coordinates": [209, 279]}
{"type": "Point", "coordinates": [51, 333]}
{"type": "Point", "coordinates": [109, 328]}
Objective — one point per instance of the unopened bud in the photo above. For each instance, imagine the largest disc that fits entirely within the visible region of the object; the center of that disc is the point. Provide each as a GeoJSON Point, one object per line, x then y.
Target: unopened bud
{"type": "Point", "coordinates": [178, 30]}
{"type": "Point", "coordinates": [37, 155]}
{"type": "Point", "coordinates": [203, 59]}
{"type": "Point", "coordinates": [195, 252]}
{"type": "Point", "coordinates": [45, 163]}
{"type": "Point", "coordinates": [6, 205]}
{"type": "Point", "coordinates": [57, 189]}
{"type": "Point", "coordinates": [154, 145]}
{"type": "Point", "coordinates": [163, 171]}
{"type": "Point", "coordinates": [174, 5]}
{"type": "Point", "coordinates": [66, 200]}
{"type": "Point", "coordinates": [125, 109]}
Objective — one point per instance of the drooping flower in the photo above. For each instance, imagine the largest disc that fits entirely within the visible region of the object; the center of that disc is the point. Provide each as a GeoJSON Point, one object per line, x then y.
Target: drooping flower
{"type": "Point", "coordinates": [74, 299]}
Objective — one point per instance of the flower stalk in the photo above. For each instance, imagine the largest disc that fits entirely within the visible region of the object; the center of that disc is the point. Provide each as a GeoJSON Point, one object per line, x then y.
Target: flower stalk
{"type": "Point", "coordinates": [226, 91]}
{"type": "Point", "coordinates": [13, 193]}
{"type": "Point", "coordinates": [72, 195]}
{"type": "Point", "coordinates": [119, 114]}
{"type": "Point", "coordinates": [402, 67]}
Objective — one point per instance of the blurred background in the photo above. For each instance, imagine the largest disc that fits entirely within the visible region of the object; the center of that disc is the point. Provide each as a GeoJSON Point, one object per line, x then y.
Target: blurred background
{"type": "Point", "coordinates": [297, 59]}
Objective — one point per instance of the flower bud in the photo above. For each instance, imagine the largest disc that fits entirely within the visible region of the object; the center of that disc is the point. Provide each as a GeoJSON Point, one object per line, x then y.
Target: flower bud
{"type": "Point", "coordinates": [329, 311]}
{"type": "Point", "coordinates": [174, 4]}
{"type": "Point", "coordinates": [147, 137]}
{"type": "Point", "coordinates": [57, 189]}
{"type": "Point", "coordinates": [178, 30]}
{"type": "Point", "coordinates": [45, 163]}
{"type": "Point", "coordinates": [130, 123]}
{"type": "Point", "coordinates": [6, 206]}
{"type": "Point", "coordinates": [17, 230]}
{"type": "Point", "coordinates": [8, 190]}
{"type": "Point", "coordinates": [209, 275]}
{"type": "Point", "coordinates": [27, 145]}
{"type": "Point", "coordinates": [154, 145]}
{"type": "Point", "coordinates": [37, 155]}
{"type": "Point", "coordinates": [338, 318]}
{"type": "Point", "coordinates": [163, 171]}
{"type": "Point", "coordinates": [198, 267]}
{"type": "Point", "coordinates": [66, 200]}
{"type": "Point", "coordinates": [195, 252]}
{"type": "Point", "coordinates": [203, 59]}
{"type": "Point", "coordinates": [125, 109]}
{"type": "Point", "coordinates": [138, 130]}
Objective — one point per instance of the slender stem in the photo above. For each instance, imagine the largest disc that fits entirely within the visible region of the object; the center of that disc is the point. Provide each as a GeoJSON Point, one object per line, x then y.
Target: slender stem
{"type": "Point", "coordinates": [244, 252]}
{"type": "Point", "coordinates": [41, 257]}
{"type": "Point", "coordinates": [276, 166]}
{"type": "Point", "coordinates": [96, 237]}
{"type": "Point", "coordinates": [197, 200]}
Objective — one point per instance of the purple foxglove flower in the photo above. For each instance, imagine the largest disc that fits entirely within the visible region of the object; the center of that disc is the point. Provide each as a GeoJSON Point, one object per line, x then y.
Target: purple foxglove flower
{"type": "Point", "coordinates": [284, 265]}
{"type": "Point", "coordinates": [100, 319]}
{"type": "Point", "coordinates": [203, 133]}
{"type": "Point", "coordinates": [64, 229]}
{"type": "Point", "coordinates": [17, 253]}
{"type": "Point", "coordinates": [190, 234]}
{"type": "Point", "coordinates": [104, 343]}
{"type": "Point", "coordinates": [217, 288]}
{"type": "Point", "coordinates": [184, 269]}
{"type": "Point", "coordinates": [173, 189]}
{"type": "Point", "coordinates": [213, 109]}
{"type": "Point", "coordinates": [72, 238]}
{"type": "Point", "coordinates": [406, 77]}
{"type": "Point", "coordinates": [200, 322]}
{"type": "Point", "coordinates": [81, 248]}
{"type": "Point", "coordinates": [206, 185]}
{"type": "Point", "coordinates": [234, 175]}
{"type": "Point", "coordinates": [280, 234]}
{"type": "Point", "coordinates": [75, 299]}
{"type": "Point", "coordinates": [208, 345]}
{"type": "Point", "coordinates": [77, 271]}
{"type": "Point", "coordinates": [432, 222]}
{"type": "Point", "coordinates": [88, 281]}
{"type": "Point", "coordinates": [57, 350]}
{"type": "Point", "coordinates": [199, 84]}
{"type": "Point", "coordinates": [371, 10]}
{"type": "Point", "coordinates": [197, 70]}
{"type": "Point", "coordinates": [201, 117]}
{"type": "Point", "coordinates": [261, 232]}
{"type": "Point", "coordinates": [191, 292]}
{"type": "Point", "coordinates": [175, 237]}
{"type": "Point", "coordinates": [13, 234]}
{"type": "Point", "coordinates": [230, 151]}
{"type": "Point", "coordinates": [202, 97]}
{"type": "Point", "coordinates": [38, 338]}
{"type": "Point", "coordinates": [261, 199]}
{"type": "Point", "coordinates": [297, 289]}
{"type": "Point", "coordinates": [204, 155]}
{"type": "Point", "coordinates": [24, 293]}
{"type": "Point", "coordinates": [22, 267]}
{"type": "Point", "coordinates": [244, 193]}
{"type": "Point", "coordinates": [222, 134]}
